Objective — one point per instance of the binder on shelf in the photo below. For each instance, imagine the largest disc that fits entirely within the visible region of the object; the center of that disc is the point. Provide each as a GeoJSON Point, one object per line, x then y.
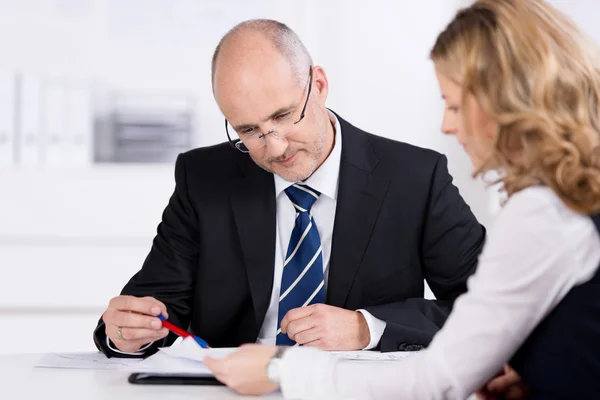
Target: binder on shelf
{"type": "Point", "coordinates": [29, 149]}
{"type": "Point", "coordinates": [7, 120]}
{"type": "Point", "coordinates": [54, 113]}
{"type": "Point", "coordinates": [79, 126]}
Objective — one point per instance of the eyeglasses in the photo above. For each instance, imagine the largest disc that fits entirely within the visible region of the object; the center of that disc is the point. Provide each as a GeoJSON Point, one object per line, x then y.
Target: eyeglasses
{"type": "Point", "coordinates": [252, 139]}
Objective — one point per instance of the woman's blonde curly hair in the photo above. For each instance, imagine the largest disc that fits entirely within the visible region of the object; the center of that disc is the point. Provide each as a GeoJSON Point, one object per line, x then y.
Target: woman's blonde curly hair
{"type": "Point", "coordinates": [537, 76]}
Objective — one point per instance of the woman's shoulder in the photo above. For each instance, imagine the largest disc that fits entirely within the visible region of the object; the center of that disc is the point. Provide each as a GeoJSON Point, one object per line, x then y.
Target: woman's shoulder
{"type": "Point", "coordinates": [536, 218]}
{"type": "Point", "coordinates": [537, 194]}
{"type": "Point", "coordinates": [536, 211]}
{"type": "Point", "coordinates": [538, 201]}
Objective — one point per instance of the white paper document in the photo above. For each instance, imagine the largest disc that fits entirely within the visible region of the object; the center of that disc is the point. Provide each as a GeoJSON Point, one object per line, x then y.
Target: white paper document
{"type": "Point", "coordinates": [85, 361]}
{"type": "Point", "coordinates": [189, 349]}
{"type": "Point", "coordinates": [373, 355]}
{"type": "Point", "coordinates": [182, 358]}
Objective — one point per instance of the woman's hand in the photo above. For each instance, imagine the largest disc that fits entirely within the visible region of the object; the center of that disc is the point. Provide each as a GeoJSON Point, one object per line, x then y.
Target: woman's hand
{"type": "Point", "coordinates": [245, 371]}
{"type": "Point", "coordinates": [507, 385]}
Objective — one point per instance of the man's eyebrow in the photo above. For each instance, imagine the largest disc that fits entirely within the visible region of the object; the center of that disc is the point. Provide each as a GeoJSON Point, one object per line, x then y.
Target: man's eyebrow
{"type": "Point", "coordinates": [243, 127]}
{"type": "Point", "coordinates": [279, 111]}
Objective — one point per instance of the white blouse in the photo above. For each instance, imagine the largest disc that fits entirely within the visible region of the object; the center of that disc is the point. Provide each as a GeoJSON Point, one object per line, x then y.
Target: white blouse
{"type": "Point", "coordinates": [536, 252]}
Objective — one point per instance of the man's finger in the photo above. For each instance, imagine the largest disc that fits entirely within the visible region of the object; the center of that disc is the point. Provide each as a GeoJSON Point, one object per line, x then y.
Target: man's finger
{"type": "Point", "coordinates": [295, 314]}
{"type": "Point", "coordinates": [149, 335]}
{"type": "Point", "coordinates": [309, 336]}
{"type": "Point", "coordinates": [299, 325]}
{"type": "Point", "coordinates": [131, 339]}
{"type": "Point", "coordinates": [140, 305]}
{"type": "Point", "coordinates": [129, 346]}
{"type": "Point", "coordinates": [134, 320]}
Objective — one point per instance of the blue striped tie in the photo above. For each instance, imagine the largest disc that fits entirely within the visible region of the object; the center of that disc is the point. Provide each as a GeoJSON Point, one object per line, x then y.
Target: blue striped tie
{"type": "Point", "coordinates": [302, 281]}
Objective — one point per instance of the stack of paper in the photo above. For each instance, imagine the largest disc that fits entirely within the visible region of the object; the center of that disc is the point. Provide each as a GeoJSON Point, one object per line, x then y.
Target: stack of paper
{"type": "Point", "coordinates": [184, 358]}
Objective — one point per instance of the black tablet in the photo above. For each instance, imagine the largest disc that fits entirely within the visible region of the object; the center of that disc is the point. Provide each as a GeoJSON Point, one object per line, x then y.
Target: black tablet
{"type": "Point", "coordinates": [144, 378]}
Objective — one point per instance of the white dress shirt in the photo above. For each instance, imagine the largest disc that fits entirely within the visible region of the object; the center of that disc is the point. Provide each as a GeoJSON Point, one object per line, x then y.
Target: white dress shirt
{"type": "Point", "coordinates": [324, 180]}
{"type": "Point", "coordinates": [537, 251]}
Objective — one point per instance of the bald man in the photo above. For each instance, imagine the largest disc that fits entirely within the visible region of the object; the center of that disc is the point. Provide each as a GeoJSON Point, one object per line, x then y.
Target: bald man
{"type": "Point", "coordinates": [301, 228]}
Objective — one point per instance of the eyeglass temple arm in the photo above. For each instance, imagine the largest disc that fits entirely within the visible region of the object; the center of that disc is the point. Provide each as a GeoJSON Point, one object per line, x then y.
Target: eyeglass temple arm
{"type": "Point", "coordinates": [231, 142]}
{"type": "Point", "coordinates": [310, 74]}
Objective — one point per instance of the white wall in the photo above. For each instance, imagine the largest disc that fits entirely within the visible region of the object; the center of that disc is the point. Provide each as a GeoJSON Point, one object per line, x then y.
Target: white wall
{"type": "Point", "coordinates": [383, 81]}
{"type": "Point", "coordinates": [69, 239]}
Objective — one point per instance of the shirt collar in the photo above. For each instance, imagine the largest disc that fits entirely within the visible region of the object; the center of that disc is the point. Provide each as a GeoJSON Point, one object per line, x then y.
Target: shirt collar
{"type": "Point", "coordinates": [325, 178]}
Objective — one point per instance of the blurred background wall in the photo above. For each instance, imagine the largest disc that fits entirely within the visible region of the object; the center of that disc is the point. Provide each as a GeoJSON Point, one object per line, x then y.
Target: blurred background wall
{"type": "Point", "coordinates": [97, 97]}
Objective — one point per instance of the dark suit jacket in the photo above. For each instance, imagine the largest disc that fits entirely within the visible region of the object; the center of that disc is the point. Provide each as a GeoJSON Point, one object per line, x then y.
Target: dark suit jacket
{"type": "Point", "coordinates": [399, 220]}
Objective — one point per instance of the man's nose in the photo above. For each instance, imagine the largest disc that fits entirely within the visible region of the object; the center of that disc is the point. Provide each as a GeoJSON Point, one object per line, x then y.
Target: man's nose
{"type": "Point", "coordinates": [276, 145]}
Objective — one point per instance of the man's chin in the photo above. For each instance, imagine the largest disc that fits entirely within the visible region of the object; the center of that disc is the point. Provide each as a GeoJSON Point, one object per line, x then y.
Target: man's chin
{"type": "Point", "coordinates": [298, 170]}
{"type": "Point", "coordinates": [291, 176]}
{"type": "Point", "coordinates": [292, 173]}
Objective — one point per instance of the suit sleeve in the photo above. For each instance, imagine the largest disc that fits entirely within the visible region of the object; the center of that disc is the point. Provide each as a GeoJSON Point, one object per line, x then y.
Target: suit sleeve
{"type": "Point", "coordinates": [169, 269]}
{"type": "Point", "coordinates": [451, 242]}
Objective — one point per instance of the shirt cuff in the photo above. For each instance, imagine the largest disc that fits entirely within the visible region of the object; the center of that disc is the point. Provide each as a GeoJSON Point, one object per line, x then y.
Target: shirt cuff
{"type": "Point", "coordinates": [137, 353]}
{"type": "Point", "coordinates": [376, 328]}
{"type": "Point", "coordinates": [307, 373]}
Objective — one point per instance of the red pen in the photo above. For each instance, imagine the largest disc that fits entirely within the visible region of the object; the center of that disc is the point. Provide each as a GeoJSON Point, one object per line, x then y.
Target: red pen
{"type": "Point", "coordinates": [182, 333]}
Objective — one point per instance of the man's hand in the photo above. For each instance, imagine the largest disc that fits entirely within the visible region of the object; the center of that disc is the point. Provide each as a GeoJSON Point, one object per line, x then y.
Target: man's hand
{"type": "Point", "coordinates": [245, 371]}
{"type": "Point", "coordinates": [136, 319]}
{"type": "Point", "coordinates": [507, 385]}
{"type": "Point", "coordinates": [327, 328]}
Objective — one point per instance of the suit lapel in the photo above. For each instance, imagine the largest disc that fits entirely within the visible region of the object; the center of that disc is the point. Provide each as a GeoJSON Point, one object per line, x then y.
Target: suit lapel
{"type": "Point", "coordinates": [253, 204]}
{"type": "Point", "coordinates": [362, 188]}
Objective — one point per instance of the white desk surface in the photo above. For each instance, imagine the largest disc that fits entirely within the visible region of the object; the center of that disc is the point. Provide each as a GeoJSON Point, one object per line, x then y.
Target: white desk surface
{"type": "Point", "coordinates": [20, 380]}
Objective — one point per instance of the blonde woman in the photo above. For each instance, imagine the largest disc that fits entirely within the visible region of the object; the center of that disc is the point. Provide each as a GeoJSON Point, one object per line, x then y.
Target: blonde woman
{"type": "Point", "coordinates": [522, 91]}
